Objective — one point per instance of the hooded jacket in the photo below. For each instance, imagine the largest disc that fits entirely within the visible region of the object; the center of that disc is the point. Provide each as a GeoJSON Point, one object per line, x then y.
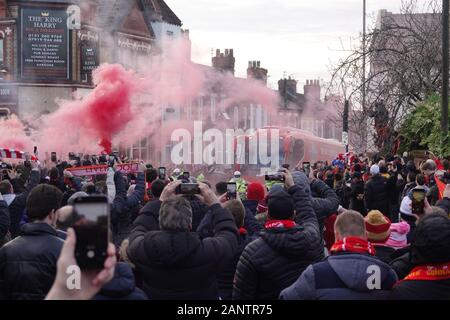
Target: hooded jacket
{"type": "Point", "coordinates": [122, 286]}
{"type": "Point", "coordinates": [276, 259]}
{"type": "Point", "coordinates": [178, 264]}
{"type": "Point", "coordinates": [343, 276]}
{"type": "Point", "coordinates": [376, 194]}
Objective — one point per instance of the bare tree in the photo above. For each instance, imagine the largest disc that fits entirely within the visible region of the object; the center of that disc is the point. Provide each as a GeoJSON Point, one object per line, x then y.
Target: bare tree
{"type": "Point", "coordinates": [403, 54]}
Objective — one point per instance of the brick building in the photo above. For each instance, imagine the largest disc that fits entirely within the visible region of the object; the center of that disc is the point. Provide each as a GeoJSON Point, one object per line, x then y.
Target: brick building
{"type": "Point", "coordinates": [49, 49]}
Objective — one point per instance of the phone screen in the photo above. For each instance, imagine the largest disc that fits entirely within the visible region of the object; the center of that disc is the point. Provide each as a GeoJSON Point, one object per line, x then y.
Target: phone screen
{"type": "Point", "coordinates": [162, 173]}
{"type": "Point", "coordinates": [231, 190]}
{"type": "Point", "coordinates": [92, 231]}
{"type": "Point", "coordinates": [418, 201]}
{"type": "Point", "coordinates": [189, 188]}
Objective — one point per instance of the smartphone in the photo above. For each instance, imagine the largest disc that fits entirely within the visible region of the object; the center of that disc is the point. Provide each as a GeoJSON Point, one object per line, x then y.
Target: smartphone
{"type": "Point", "coordinates": [53, 157]}
{"type": "Point", "coordinates": [231, 190]}
{"type": "Point", "coordinates": [274, 176]}
{"type": "Point", "coordinates": [91, 225]}
{"type": "Point", "coordinates": [188, 189]}
{"type": "Point", "coordinates": [162, 173]}
{"type": "Point", "coordinates": [186, 175]}
{"type": "Point", "coordinates": [418, 201]}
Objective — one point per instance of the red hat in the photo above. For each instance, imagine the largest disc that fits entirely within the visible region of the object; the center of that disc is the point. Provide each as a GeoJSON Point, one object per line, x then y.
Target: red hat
{"type": "Point", "coordinates": [255, 191]}
{"type": "Point", "coordinates": [377, 227]}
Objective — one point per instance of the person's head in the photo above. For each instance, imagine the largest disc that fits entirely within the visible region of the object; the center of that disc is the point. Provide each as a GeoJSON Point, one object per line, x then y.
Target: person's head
{"type": "Point", "coordinates": [329, 175]}
{"type": "Point", "coordinates": [383, 169]}
{"type": "Point", "coordinates": [411, 177]}
{"type": "Point", "coordinates": [237, 174]}
{"type": "Point", "coordinates": [420, 179]}
{"type": "Point", "coordinates": [157, 188]}
{"type": "Point", "coordinates": [76, 195]}
{"type": "Point", "coordinates": [237, 210]}
{"type": "Point", "coordinates": [6, 187]}
{"type": "Point", "coordinates": [280, 204]}
{"type": "Point", "coordinates": [221, 188]}
{"type": "Point", "coordinates": [446, 164]}
{"type": "Point", "coordinates": [349, 224]}
{"type": "Point", "coordinates": [89, 188]}
{"type": "Point", "coordinates": [357, 176]}
{"type": "Point", "coordinates": [176, 172]}
{"type": "Point", "coordinates": [175, 214]}
{"type": "Point", "coordinates": [101, 187]}
{"type": "Point", "coordinates": [42, 203]}
{"type": "Point", "coordinates": [431, 243]}
{"type": "Point", "coordinates": [337, 177]}
{"type": "Point", "coordinates": [374, 170]}
{"type": "Point", "coordinates": [398, 237]}
{"type": "Point", "coordinates": [255, 191]}
{"type": "Point", "coordinates": [151, 174]}
{"type": "Point", "coordinates": [54, 174]}
{"type": "Point", "coordinates": [377, 227]}
{"type": "Point", "coordinates": [428, 167]}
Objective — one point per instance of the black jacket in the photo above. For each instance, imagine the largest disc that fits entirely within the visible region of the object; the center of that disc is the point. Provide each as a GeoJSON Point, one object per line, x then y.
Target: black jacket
{"type": "Point", "coordinates": [357, 197]}
{"type": "Point", "coordinates": [122, 286]}
{"type": "Point", "coordinates": [376, 194]}
{"type": "Point", "coordinates": [148, 216]}
{"type": "Point", "coordinates": [178, 264]}
{"type": "Point", "coordinates": [205, 228]}
{"type": "Point", "coordinates": [226, 277]}
{"type": "Point", "coordinates": [28, 263]}
{"type": "Point", "coordinates": [384, 253]}
{"type": "Point", "coordinates": [278, 257]}
{"type": "Point", "coordinates": [17, 206]}
{"type": "Point", "coordinates": [421, 290]}
{"type": "Point", "coordinates": [4, 221]}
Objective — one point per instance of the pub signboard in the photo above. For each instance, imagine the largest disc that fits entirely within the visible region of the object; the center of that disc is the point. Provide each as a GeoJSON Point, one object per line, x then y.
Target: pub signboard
{"type": "Point", "coordinates": [45, 44]}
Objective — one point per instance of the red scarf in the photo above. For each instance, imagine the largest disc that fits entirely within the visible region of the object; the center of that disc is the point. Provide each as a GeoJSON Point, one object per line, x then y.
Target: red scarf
{"type": "Point", "coordinates": [431, 272]}
{"type": "Point", "coordinates": [287, 224]}
{"type": "Point", "coordinates": [242, 231]}
{"type": "Point", "coordinates": [353, 244]}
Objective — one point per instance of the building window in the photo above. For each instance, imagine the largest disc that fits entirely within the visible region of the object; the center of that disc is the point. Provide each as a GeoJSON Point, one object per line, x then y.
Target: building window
{"type": "Point", "coordinates": [200, 108]}
{"type": "Point", "coordinates": [236, 118]}
{"type": "Point", "coordinates": [169, 34]}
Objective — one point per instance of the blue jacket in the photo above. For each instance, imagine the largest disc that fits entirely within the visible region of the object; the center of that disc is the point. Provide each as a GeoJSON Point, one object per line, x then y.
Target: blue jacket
{"type": "Point", "coordinates": [343, 276]}
{"type": "Point", "coordinates": [122, 286]}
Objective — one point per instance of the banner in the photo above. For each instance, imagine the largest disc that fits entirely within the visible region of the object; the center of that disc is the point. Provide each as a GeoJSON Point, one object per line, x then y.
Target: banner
{"type": "Point", "coordinates": [14, 154]}
{"type": "Point", "coordinates": [103, 169]}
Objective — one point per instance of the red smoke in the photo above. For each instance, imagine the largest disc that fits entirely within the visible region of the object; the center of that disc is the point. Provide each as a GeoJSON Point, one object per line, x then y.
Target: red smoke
{"type": "Point", "coordinates": [12, 135]}
{"type": "Point", "coordinates": [90, 123]}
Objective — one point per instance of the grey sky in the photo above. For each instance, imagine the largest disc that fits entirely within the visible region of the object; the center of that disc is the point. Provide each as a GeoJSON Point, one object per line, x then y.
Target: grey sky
{"type": "Point", "coordinates": [299, 37]}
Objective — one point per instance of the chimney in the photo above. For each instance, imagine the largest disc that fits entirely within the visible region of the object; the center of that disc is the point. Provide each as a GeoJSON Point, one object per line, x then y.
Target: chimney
{"type": "Point", "coordinates": [254, 71]}
{"type": "Point", "coordinates": [287, 89]}
{"type": "Point", "coordinates": [312, 90]}
{"type": "Point", "coordinates": [224, 62]}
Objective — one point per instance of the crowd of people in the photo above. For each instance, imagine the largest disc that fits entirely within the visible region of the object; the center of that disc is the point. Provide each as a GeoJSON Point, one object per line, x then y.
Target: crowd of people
{"type": "Point", "coordinates": [345, 230]}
